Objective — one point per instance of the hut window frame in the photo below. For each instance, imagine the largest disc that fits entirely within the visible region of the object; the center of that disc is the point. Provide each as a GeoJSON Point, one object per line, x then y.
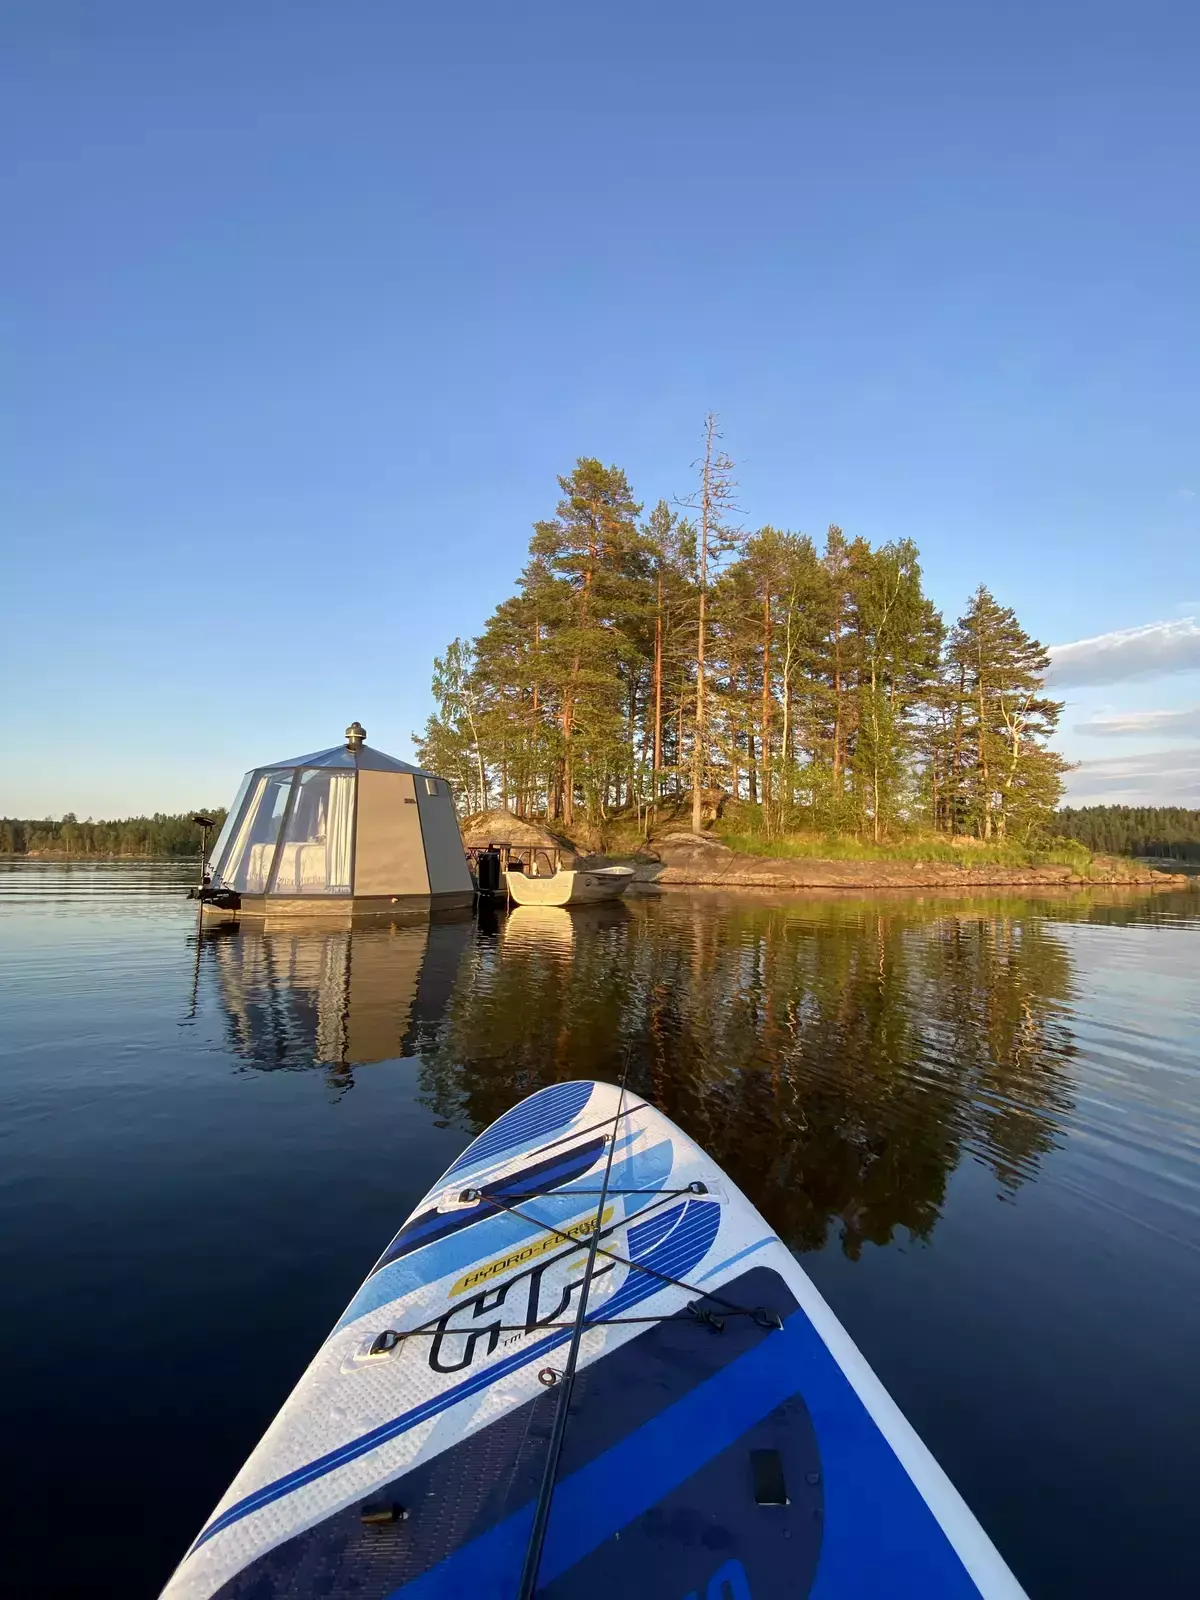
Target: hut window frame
{"type": "Point", "coordinates": [321, 813]}
{"type": "Point", "coordinates": [232, 818]}
{"type": "Point", "coordinates": [266, 824]}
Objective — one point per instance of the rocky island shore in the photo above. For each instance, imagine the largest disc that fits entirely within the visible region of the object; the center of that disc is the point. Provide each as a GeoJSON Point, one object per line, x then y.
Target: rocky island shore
{"type": "Point", "coordinates": [686, 859]}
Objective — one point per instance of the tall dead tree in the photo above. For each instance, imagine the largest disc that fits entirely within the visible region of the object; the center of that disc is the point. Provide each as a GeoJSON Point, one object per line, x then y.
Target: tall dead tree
{"type": "Point", "coordinates": [716, 536]}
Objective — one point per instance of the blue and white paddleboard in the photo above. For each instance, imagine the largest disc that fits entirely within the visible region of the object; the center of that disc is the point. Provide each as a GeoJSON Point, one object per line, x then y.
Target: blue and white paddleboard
{"type": "Point", "coordinates": [515, 1403]}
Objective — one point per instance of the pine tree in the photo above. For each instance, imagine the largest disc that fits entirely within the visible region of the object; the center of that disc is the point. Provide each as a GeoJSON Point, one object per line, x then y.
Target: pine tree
{"type": "Point", "coordinates": [817, 684]}
{"type": "Point", "coordinates": [733, 672]}
{"type": "Point", "coordinates": [1006, 720]}
{"type": "Point", "coordinates": [671, 546]}
{"type": "Point", "coordinates": [899, 634]}
{"type": "Point", "coordinates": [766, 561]}
{"type": "Point", "coordinates": [508, 666]}
{"type": "Point", "coordinates": [589, 544]}
{"type": "Point", "coordinates": [799, 647]}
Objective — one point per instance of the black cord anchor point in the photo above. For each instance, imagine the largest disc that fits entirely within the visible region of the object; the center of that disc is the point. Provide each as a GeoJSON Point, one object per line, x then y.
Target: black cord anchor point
{"type": "Point", "coordinates": [708, 1318]}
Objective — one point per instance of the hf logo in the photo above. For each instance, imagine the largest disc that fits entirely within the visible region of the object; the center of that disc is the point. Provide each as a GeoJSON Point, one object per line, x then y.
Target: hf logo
{"type": "Point", "coordinates": [461, 1331]}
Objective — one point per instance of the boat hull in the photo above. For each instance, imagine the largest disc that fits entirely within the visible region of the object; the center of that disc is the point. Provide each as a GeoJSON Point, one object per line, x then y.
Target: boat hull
{"type": "Point", "coordinates": [578, 888]}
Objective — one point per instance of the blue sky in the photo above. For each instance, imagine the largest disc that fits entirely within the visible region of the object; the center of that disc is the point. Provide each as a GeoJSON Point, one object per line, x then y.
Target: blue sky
{"type": "Point", "coordinates": [304, 307]}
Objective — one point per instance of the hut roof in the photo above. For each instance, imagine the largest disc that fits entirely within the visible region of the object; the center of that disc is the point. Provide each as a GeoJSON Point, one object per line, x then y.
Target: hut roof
{"type": "Point", "coordinates": [347, 822]}
{"type": "Point", "coordinates": [364, 758]}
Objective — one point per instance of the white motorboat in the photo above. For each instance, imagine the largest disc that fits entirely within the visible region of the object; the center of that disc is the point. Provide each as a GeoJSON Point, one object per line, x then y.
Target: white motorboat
{"type": "Point", "coordinates": [581, 886]}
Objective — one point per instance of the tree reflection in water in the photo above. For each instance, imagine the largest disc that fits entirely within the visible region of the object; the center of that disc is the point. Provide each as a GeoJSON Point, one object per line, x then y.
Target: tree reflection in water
{"type": "Point", "coordinates": [839, 1058]}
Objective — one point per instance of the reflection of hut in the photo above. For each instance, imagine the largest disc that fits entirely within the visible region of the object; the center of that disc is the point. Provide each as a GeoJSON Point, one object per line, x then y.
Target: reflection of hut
{"type": "Point", "coordinates": [341, 832]}
{"type": "Point", "coordinates": [335, 997]}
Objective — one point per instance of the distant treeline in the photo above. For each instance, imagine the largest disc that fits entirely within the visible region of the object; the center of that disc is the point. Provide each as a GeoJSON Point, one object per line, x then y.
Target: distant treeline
{"type": "Point", "coordinates": [159, 835]}
{"type": "Point", "coordinates": [1134, 830]}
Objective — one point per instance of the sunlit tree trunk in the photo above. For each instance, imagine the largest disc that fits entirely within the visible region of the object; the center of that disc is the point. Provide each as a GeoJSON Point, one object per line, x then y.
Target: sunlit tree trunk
{"type": "Point", "coordinates": [765, 715]}
{"type": "Point", "coordinates": [658, 671]}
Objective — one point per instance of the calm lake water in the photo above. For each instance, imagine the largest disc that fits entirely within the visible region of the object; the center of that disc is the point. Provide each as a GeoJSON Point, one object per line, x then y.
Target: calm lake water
{"type": "Point", "coordinates": [978, 1123]}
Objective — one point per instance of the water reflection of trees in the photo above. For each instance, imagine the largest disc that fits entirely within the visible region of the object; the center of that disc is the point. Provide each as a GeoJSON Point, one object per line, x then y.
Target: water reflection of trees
{"type": "Point", "coordinates": [838, 1060]}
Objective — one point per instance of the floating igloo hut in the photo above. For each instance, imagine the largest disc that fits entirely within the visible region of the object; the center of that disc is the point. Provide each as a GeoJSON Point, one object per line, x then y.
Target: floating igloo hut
{"type": "Point", "coordinates": [339, 833]}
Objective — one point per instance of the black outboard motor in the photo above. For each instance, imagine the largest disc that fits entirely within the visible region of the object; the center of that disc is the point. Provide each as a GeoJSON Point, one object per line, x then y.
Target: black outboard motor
{"type": "Point", "coordinates": [487, 868]}
{"type": "Point", "coordinates": [223, 899]}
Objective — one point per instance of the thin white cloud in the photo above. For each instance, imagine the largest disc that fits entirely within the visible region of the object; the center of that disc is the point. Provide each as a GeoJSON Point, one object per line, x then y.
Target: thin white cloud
{"type": "Point", "coordinates": [1154, 649]}
{"type": "Point", "coordinates": [1183, 724]}
{"type": "Point", "coordinates": [1159, 778]}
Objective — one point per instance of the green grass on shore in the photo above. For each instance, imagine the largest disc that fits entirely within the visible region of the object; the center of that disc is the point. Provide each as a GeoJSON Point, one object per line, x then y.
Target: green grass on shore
{"type": "Point", "coordinates": [622, 836]}
{"type": "Point", "coordinates": [919, 850]}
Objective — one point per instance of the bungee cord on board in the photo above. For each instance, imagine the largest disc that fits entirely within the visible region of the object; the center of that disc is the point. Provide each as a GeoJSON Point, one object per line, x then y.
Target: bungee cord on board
{"type": "Point", "coordinates": [541, 1510]}
{"type": "Point", "coordinates": [711, 1316]}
